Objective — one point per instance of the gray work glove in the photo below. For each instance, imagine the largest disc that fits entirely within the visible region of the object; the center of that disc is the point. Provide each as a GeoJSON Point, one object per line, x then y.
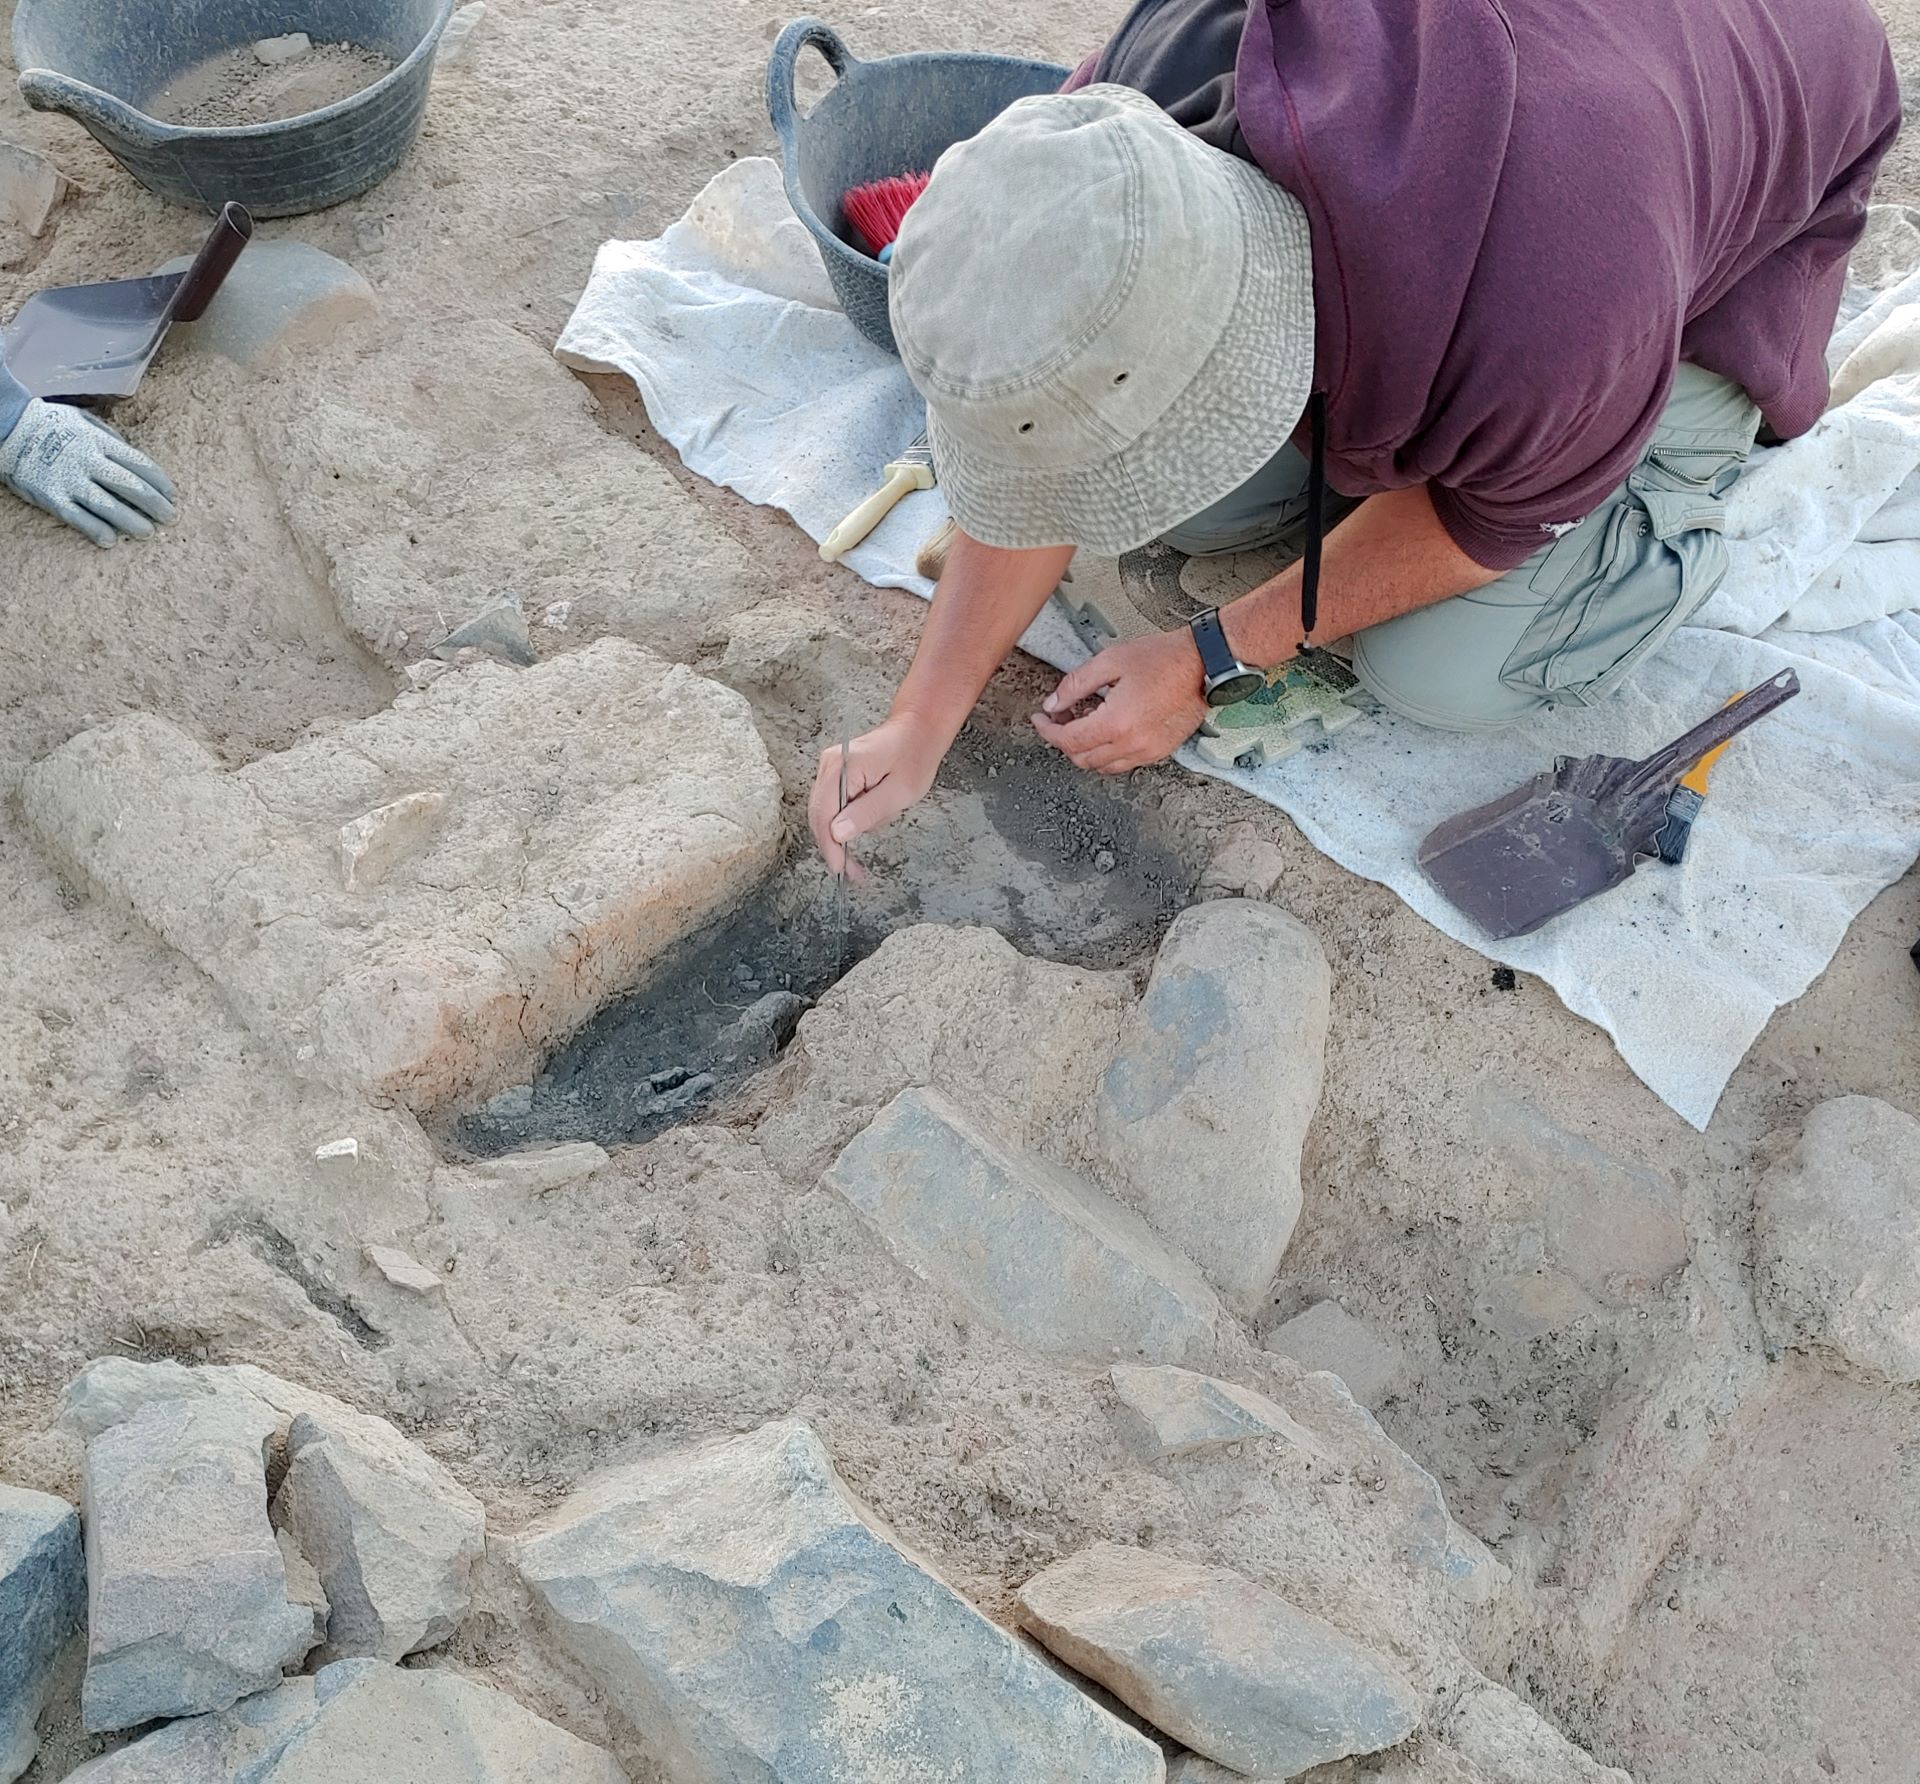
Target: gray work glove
{"type": "Point", "coordinates": [80, 471]}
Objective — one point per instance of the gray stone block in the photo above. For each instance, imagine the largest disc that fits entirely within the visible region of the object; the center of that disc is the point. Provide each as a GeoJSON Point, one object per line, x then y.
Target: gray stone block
{"type": "Point", "coordinates": [1328, 1337]}
{"type": "Point", "coordinates": [43, 1598]}
{"type": "Point", "coordinates": [1509, 1743]}
{"type": "Point", "coordinates": [744, 1614]}
{"type": "Point", "coordinates": [187, 1593]}
{"type": "Point", "coordinates": [1182, 1413]}
{"type": "Point", "coordinates": [1032, 1250]}
{"type": "Point", "coordinates": [392, 1535]}
{"type": "Point", "coordinates": [1837, 1239]}
{"type": "Point", "coordinates": [1223, 1665]}
{"type": "Point", "coordinates": [362, 1722]}
{"type": "Point", "coordinates": [282, 297]}
{"type": "Point", "coordinates": [1203, 1112]}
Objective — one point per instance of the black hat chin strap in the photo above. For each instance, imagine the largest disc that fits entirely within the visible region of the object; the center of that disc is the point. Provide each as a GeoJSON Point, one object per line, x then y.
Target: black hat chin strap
{"type": "Point", "coordinates": [1316, 517]}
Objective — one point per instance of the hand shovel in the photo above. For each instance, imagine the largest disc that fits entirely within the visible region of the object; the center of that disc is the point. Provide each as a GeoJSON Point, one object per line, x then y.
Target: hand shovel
{"type": "Point", "coordinates": [1519, 861]}
{"type": "Point", "coordinates": [92, 343]}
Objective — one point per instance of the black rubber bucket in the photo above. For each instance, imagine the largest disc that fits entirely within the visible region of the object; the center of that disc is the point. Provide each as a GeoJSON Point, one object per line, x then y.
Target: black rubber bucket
{"type": "Point", "coordinates": [101, 61]}
{"type": "Point", "coordinates": [897, 114]}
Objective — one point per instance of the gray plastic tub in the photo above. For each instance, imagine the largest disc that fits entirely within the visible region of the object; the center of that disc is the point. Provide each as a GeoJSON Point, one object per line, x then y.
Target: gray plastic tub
{"type": "Point", "coordinates": [100, 61]}
{"type": "Point", "coordinates": [897, 114]}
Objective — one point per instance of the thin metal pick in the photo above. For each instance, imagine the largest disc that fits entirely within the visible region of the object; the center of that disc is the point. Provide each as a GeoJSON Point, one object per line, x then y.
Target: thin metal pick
{"type": "Point", "coordinates": [840, 916]}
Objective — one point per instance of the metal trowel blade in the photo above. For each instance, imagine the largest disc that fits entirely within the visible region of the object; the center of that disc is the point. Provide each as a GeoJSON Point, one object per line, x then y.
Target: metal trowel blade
{"type": "Point", "coordinates": [1520, 860]}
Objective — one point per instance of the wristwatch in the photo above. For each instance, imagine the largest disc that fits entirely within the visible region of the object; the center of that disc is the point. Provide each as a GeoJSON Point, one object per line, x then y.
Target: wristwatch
{"type": "Point", "coordinates": [1225, 679]}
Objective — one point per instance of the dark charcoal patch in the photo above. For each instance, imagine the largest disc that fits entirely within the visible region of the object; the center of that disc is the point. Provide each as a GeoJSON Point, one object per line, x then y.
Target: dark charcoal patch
{"type": "Point", "coordinates": [276, 1249]}
{"type": "Point", "coordinates": [1088, 884]}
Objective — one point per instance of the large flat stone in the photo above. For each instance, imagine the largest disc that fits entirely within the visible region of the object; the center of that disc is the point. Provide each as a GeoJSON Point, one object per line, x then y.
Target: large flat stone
{"type": "Point", "coordinates": [597, 809]}
{"type": "Point", "coordinates": [1203, 1112]}
{"type": "Point", "coordinates": [743, 1613]}
{"type": "Point", "coordinates": [1034, 1251]}
{"type": "Point", "coordinates": [1837, 1237]}
{"type": "Point", "coordinates": [392, 1535]}
{"type": "Point", "coordinates": [281, 299]}
{"type": "Point", "coordinates": [43, 1601]}
{"type": "Point", "coordinates": [424, 464]}
{"type": "Point", "coordinates": [1223, 1665]}
{"type": "Point", "coordinates": [188, 1609]}
{"type": "Point", "coordinates": [363, 1722]}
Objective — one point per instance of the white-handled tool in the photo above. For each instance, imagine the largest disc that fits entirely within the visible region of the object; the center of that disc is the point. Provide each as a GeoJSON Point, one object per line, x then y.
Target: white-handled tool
{"type": "Point", "coordinates": [912, 470]}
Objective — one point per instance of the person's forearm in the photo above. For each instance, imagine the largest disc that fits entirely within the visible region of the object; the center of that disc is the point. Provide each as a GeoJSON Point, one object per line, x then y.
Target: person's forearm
{"type": "Point", "coordinates": [1390, 556]}
{"type": "Point", "coordinates": [985, 599]}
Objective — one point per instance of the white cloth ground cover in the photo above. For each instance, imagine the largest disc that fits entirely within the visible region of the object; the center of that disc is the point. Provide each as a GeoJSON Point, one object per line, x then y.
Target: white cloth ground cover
{"type": "Point", "coordinates": [747, 365]}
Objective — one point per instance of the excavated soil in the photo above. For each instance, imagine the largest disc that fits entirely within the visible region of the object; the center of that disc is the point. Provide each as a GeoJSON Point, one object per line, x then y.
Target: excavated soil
{"type": "Point", "coordinates": [1713, 1550]}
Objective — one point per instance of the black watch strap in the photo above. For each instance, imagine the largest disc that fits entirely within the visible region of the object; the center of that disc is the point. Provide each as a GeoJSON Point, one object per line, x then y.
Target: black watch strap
{"type": "Point", "coordinates": [1216, 654]}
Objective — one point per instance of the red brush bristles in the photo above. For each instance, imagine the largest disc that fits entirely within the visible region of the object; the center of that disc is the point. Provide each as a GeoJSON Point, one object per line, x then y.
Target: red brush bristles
{"type": "Point", "coordinates": [878, 209]}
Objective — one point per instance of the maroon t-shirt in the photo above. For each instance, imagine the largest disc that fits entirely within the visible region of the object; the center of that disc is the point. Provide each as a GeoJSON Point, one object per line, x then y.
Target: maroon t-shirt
{"type": "Point", "coordinates": [1525, 213]}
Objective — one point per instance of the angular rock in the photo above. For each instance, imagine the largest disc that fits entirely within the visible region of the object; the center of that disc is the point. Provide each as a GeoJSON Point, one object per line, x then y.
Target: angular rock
{"type": "Point", "coordinates": [499, 630]}
{"type": "Point", "coordinates": [271, 52]}
{"type": "Point", "coordinates": [740, 1608]}
{"type": "Point", "coordinates": [391, 1534]}
{"type": "Point", "coordinates": [962, 1009]}
{"type": "Point", "coordinates": [456, 41]}
{"type": "Point", "coordinates": [1245, 865]}
{"type": "Point", "coordinates": [1328, 1337]}
{"type": "Point", "coordinates": [542, 1168]}
{"type": "Point", "coordinates": [1203, 1112]}
{"type": "Point", "coordinates": [1223, 1665]}
{"type": "Point", "coordinates": [1182, 1413]}
{"type": "Point", "coordinates": [599, 808]}
{"type": "Point", "coordinates": [303, 1583]}
{"type": "Point", "coordinates": [282, 298]}
{"type": "Point", "coordinates": [371, 843]}
{"type": "Point", "coordinates": [1043, 1256]}
{"type": "Point", "coordinates": [1837, 1239]}
{"type": "Point", "coordinates": [404, 1271]}
{"type": "Point", "coordinates": [43, 1600]}
{"type": "Point", "coordinates": [30, 187]}
{"type": "Point", "coordinates": [1432, 1539]}
{"type": "Point", "coordinates": [362, 1722]}
{"type": "Point", "coordinates": [1511, 1744]}
{"type": "Point", "coordinates": [187, 1593]}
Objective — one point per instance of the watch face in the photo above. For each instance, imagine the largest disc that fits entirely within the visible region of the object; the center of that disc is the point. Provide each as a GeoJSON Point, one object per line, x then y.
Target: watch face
{"type": "Point", "coordinates": [1230, 690]}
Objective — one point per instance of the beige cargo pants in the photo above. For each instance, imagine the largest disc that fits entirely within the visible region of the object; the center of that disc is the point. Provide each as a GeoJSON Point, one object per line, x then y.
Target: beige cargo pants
{"type": "Point", "coordinates": [1573, 620]}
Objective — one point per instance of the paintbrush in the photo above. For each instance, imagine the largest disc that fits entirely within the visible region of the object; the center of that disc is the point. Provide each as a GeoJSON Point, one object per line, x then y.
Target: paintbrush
{"type": "Point", "coordinates": [1684, 804]}
{"type": "Point", "coordinates": [912, 470]}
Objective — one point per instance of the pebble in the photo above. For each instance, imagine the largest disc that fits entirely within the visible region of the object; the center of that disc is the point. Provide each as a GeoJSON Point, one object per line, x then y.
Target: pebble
{"type": "Point", "coordinates": [274, 51]}
{"type": "Point", "coordinates": [403, 1271]}
{"type": "Point", "coordinates": [30, 187]}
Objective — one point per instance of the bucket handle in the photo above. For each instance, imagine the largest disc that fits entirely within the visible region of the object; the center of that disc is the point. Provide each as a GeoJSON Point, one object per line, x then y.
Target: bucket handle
{"type": "Point", "coordinates": [47, 90]}
{"type": "Point", "coordinates": [782, 104]}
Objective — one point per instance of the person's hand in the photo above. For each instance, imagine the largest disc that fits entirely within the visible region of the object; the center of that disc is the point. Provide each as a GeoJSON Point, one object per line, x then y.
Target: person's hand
{"type": "Point", "coordinates": [79, 470]}
{"type": "Point", "coordinates": [1151, 705]}
{"type": "Point", "coordinates": [888, 769]}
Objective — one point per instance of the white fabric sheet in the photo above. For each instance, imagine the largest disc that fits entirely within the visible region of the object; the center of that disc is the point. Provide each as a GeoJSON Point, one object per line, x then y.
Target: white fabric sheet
{"type": "Point", "coordinates": [728, 327]}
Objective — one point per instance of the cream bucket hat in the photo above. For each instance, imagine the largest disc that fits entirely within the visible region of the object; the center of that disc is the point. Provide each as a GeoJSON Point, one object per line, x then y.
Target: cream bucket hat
{"type": "Point", "coordinates": [1111, 322]}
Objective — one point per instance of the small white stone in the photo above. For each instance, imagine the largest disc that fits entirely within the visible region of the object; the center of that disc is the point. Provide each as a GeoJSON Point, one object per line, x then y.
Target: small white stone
{"type": "Point", "coordinates": [457, 39]}
{"type": "Point", "coordinates": [30, 186]}
{"type": "Point", "coordinates": [339, 1155]}
{"type": "Point", "coordinates": [556, 616]}
{"type": "Point", "coordinates": [372, 844]}
{"type": "Point", "coordinates": [403, 1271]}
{"type": "Point", "coordinates": [274, 51]}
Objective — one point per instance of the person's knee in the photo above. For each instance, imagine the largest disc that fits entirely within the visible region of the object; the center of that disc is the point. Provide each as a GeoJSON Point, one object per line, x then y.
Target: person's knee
{"type": "Point", "coordinates": [1451, 691]}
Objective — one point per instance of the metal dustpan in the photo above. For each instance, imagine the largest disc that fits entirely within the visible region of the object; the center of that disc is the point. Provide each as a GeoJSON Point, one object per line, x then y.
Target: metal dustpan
{"type": "Point", "coordinates": [93, 343]}
{"type": "Point", "coordinates": [1519, 861]}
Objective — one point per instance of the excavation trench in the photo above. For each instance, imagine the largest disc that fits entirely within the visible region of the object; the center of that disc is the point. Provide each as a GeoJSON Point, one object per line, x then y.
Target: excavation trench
{"type": "Point", "coordinates": [1065, 865]}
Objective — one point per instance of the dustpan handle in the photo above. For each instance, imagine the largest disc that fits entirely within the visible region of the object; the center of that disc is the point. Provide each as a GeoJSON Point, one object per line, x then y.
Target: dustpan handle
{"type": "Point", "coordinates": [231, 232]}
{"type": "Point", "coordinates": [1729, 721]}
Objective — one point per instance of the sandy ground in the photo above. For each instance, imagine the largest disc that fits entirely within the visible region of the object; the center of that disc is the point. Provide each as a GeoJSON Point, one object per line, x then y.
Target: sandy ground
{"type": "Point", "coordinates": [1731, 1601]}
